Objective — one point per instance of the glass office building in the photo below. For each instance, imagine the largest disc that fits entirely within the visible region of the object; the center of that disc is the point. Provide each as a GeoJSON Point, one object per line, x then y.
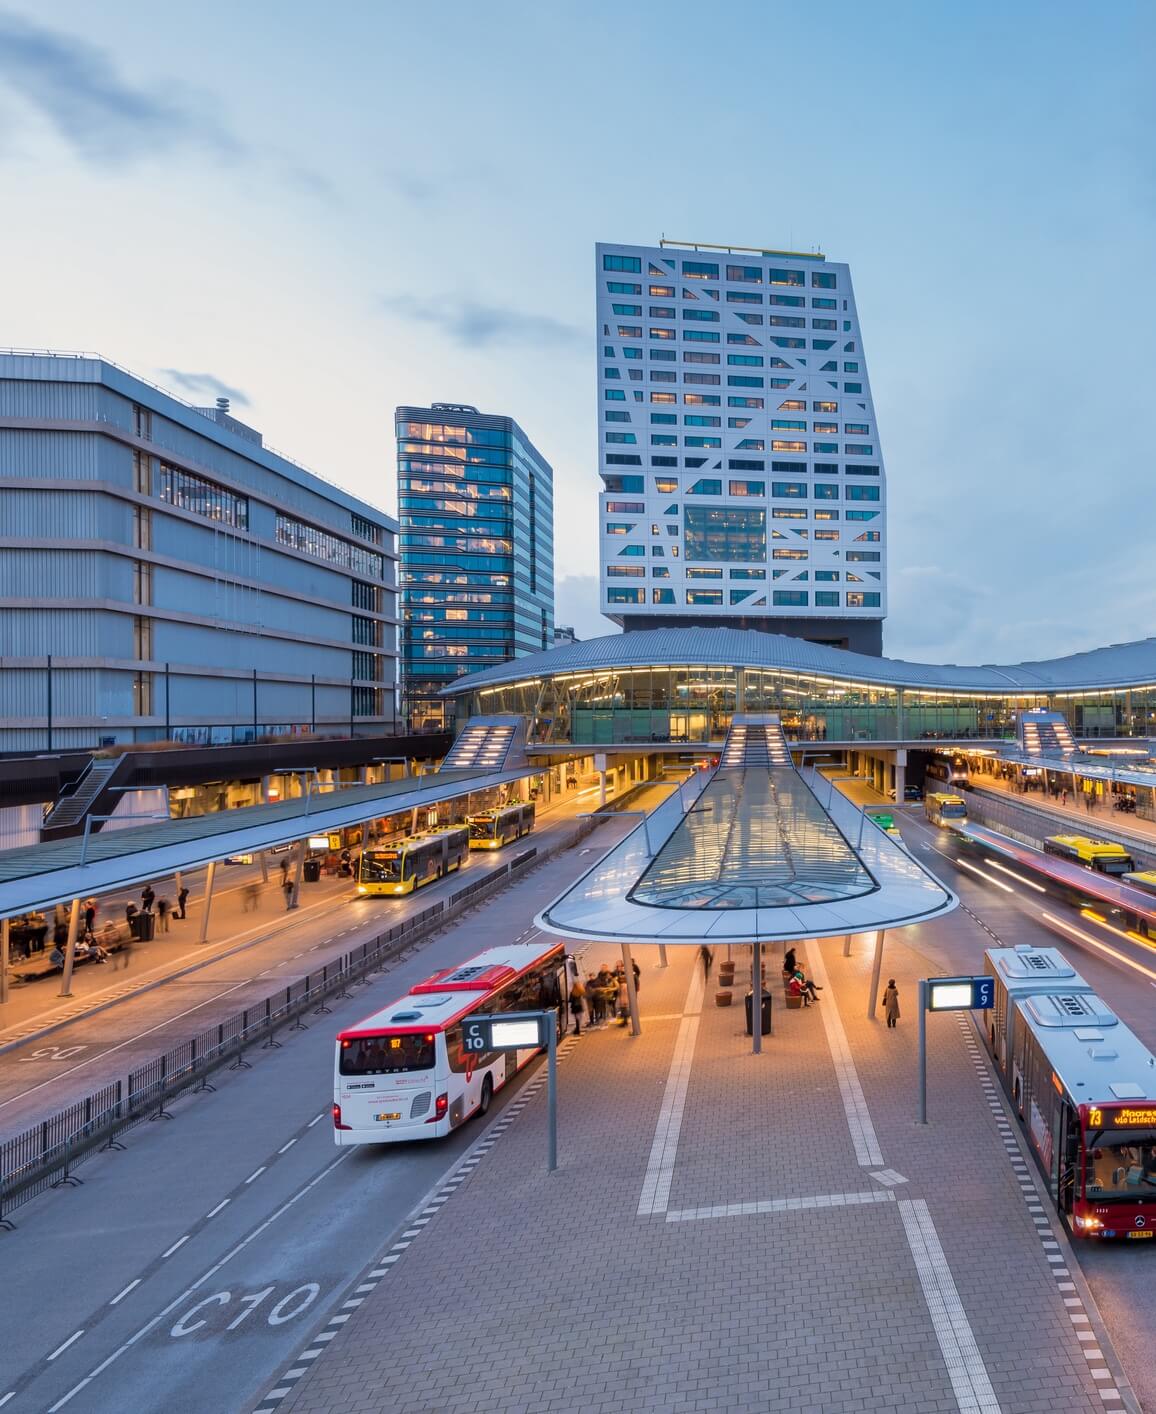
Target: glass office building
{"type": "Point", "coordinates": [476, 506]}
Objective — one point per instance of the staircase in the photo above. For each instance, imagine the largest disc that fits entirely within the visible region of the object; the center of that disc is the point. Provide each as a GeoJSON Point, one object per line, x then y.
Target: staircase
{"type": "Point", "coordinates": [67, 816]}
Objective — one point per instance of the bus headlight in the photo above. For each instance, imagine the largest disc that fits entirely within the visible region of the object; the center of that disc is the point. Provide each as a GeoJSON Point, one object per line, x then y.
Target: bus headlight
{"type": "Point", "coordinates": [361, 888]}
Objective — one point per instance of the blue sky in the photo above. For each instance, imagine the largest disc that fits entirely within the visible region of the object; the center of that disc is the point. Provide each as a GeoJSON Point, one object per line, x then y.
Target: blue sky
{"type": "Point", "coordinates": [333, 210]}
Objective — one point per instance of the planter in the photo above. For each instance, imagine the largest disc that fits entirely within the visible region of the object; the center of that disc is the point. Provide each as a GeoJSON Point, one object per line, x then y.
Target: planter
{"type": "Point", "coordinates": [794, 1002]}
{"type": "Point", "coordinates": [723, 998]}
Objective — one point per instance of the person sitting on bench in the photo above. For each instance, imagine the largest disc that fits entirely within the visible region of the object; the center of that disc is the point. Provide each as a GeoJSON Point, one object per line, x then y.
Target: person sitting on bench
{"type": "Point", "coordinates": [809, 988]}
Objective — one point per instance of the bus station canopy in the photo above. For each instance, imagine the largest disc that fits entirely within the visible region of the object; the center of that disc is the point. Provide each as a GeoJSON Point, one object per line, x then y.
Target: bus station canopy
{"type": "Point", "coordinates": [755, 852]}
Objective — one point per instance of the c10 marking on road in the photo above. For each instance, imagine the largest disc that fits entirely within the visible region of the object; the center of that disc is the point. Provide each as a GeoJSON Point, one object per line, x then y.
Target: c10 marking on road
{"type": "Point", "coordinates": [208, 1314]}
{"type": "Point", "coordinates": [54, 1053]}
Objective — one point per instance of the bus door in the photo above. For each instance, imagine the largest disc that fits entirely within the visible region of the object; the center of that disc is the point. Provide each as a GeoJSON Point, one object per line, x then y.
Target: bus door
{"type": "Point", "coordinates": [1068, 1148]}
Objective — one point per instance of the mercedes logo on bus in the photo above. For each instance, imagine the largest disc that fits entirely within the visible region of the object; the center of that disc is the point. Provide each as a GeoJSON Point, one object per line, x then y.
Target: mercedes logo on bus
{"type": "Point", "coordinates": [1141, 1221]}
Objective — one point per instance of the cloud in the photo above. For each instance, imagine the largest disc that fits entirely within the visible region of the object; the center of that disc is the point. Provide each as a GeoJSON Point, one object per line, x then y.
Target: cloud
{"type": "Point", "coordinates": [419, 190]}
{"type": "Point", "coordinates": [75, 87]}
{"type": "Point", "coordinates": [199, 383]}
{"type": "Point", "coordinates": [477, 326]}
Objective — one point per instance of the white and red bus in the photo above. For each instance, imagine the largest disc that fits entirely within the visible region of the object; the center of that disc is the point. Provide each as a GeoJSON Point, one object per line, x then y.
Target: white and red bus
{"type": "Point", "coordinates": [402, 1074]}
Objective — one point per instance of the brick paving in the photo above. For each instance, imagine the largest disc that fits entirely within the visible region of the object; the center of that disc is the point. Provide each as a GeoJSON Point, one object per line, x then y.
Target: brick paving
{"type": "Point", "coordinates": [781, 1276]}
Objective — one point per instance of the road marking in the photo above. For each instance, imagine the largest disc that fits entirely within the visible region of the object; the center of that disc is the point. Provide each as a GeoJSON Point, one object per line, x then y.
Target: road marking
{"type": "Point", "coordinates": [180, 1242]}
{"type": "Point", "coordinates": [965, 1367]}
{"type": "Point", "coordinates": [224, 1203]}
{"type": "Point", "coordinates": [284, 1147]}
{"type": "Point", "coordinates": [778, 1205]}
{"type": "Point", "coordinates": [656, 1183]}
{"type": "Point", "coordinates": [256, 1173]}
{"type": "Point", "coordinates": [135, 1282]}
{"type": "Point", "coordinates": [318, 1120]}
{"type": "Point", "coordinates": [867, 1151]}
{"type": "Point", "coordinates": [60, 1349]}
{"type": "Point", "coordinates": [206, 1276]}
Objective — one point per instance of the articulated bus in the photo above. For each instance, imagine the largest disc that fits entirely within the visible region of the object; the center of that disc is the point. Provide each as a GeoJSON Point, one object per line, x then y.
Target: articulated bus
{"type": "Point", "coordinates": [951, 770]}
{"type": "Point", "coordinates": [943, 809]}
{"type": "Point", "coordinates": [407, 864]}
{"type": "Point", "coordinates": [1084, 1088]}
{"type": "Point", "coordinates": [1104, 856]}
{"type": "Point", "coordinates": [402, 1074]}
{"type": "Point", "coordinates": [493, 828]}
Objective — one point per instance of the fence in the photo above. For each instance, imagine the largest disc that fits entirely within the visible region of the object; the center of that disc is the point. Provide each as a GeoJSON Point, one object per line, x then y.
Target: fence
{"type": "Point", "coordinates": [1031, 824]}
{"type": "Point", "coordinates": [46, 1155]}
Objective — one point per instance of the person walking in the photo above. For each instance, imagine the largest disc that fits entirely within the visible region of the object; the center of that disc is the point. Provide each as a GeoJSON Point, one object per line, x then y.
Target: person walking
{"type": "Point", "coordinates": [891, 1003]}
{"type": "Point", "coordinates": [707, 960]}
{"type": "Point", "coordinates": [595, 1004]}
{"type": "Point", "coordinates": [634, 967]}
{"type": "Point", "coordinates": [287, 886]}
{"type": "Point", "coordinates": [125, 953]}
{"type": "Point", "coordinates": [251, 897]}
{"type": "Point", "coordinates": [163, 907]}
{"type": "Point", "coordinates": [182, 898]}
{"type": "Point", "coordinates": [284, 872]}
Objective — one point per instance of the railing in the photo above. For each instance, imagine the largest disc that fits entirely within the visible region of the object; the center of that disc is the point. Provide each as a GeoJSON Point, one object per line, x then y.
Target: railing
{"type": "Point", "coordinates": [1030, 823]}
{"type": "Point", "coordinates": [47, 1155]}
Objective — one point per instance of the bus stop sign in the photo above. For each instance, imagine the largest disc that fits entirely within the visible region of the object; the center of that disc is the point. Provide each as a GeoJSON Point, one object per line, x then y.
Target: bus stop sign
{"type": "Point", "coordinates": [507, 1031]}
{"type": "Point", "coordinates": [960, 993]}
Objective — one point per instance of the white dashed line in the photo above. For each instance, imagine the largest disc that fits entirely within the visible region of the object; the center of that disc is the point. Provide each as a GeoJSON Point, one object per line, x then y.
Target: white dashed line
{"type": "Point", "coordinates": [135, 1282]}
{"type": "Point", "coordinates": [256, 1173]}
{"type": "Point", "coordinates": [180, 1242]}
{"type": "Point", "coordinates": [60, 1349]}
{"type": "Point", "coordinates": [224, 1203]}
{"type": "Point", "coordinates": [285, 1147]}
{"type": "Point", "coordinates": [318, 1120]}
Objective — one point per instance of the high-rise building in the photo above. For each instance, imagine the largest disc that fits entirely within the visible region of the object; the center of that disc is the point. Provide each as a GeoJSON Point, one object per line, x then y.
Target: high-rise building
{"type": "Point", "coordinates": [743, 482]}
{"type": "Point", "coordinates": [164, 576]}
{"type": "Point", "coordinates": [476, 504]}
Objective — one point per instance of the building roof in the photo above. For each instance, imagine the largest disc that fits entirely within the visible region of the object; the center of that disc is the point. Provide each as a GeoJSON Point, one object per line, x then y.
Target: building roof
{"type": "Point", "coordinates": [1118, 665]}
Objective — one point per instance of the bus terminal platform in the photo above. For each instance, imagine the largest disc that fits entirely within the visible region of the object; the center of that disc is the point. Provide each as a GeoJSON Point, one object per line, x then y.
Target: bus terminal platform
{"type": "Point", "coordinates": [731, 1231]}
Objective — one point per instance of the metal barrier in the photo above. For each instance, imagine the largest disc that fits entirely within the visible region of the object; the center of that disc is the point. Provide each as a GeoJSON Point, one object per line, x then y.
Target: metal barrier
{"type": "Point", "coordinates": [46, 1155]}
{"type": "Point", "coordinates": [1031, 824]}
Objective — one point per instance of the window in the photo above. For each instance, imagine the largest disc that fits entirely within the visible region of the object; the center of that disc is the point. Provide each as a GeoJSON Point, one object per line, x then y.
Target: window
{"type": "Point", "coordinates": [751, 273]}
{"type": "Point", "coordinates": [668, 418]}
{"type": "Point", "coordinates": [859, 449]}
{"type": "Point", "coordinates": [632, 353]}
{"type": "Point", "coordinates": [850, 368]}
{"type": "Point", "coordinates": [659, 571]}
{"type": "Point", "coordinates": [736, 402]}
{"type": "Point", "coordinates": [366, 596]}
{"type": "Point", "coordinates": [743, 339]}
{"type": "Point", "coordinates": [788, 488]}
{"type": "Point", "coordinates": [793, 405]}
{"type": "Point", "coordinates": [630, 551]}
{"type": "Point", "coordinates": [710, 380]}
{"type": "Point", "coordinates": [701, 336]}
{"type": "Point", "coordinates": [662, 311]}
{"type": "Point", "coordinates": [861, 515]}
{"type": "Point", "coordinates": [787, 321]}
{"type": "Point", "coordinates": [630, 263]}
{"type": "Point", "coordinates": [780, 424]}
{"type": "Point", "coordinates": [664, 397]}
{"type": "Point", "coordinates": [626, 508]}
{"type": "Point", "coordinates": [626, 571]}
{"type": "Point", "coordinates": [784, 343]}
{"type": "Point", "coordinates": [662, 292]}
{"type": "Point", "coordinates": [202, 497]}
{"type": "Point", "coordinates": [820, 280]}
{"type": "Point", "coordinates": [788, 446]}
{"type": "Point", "coordinates": [704, 596]}
{"type": "Point", "coordinates": [663, 461]}
{"type": "Point", "coordinates": [858, 599]}
{"type": "Point", "coordinates": [622, 459]}
{"type": "Point", "coordinates": [702, 400]}
{"type": "Point", "coordinates": [662, 596]}
{"type": "Point", "coordinates": [857, 429]}
{"type": "Point", "coordinates": [862, 493]}
{"type": "Point", "coordinates": [703, 574]}
{"type": "Point", "coordinates": [309, 540]}
{"type": "Point", "coordinates": [792, 554]}
{"type": "Point", "coordinates": [748, 318]}
{"type": "Point", "coordinates": [662, 333]}
{"type": "Point", "coordinates": [692, 419]}
{"type": "Point", "coordinates": [786, 277]}
{"type": "Point", "coordinates": [743, 380]}
{"type": "Point", "coordinates": [748, 444]}
{"type": "Point", "coordinates": [738, 595]}
{"type": "Point", "coordinates": [619, 594]}
{"type": "Point", "coordinates": [826, 513]}
{"type": "Point", "coordinates": [793, 300]}
{"type": "Point", "coordinates": [864, 556]}
{"type": "Point", "coordinates": [743, 297]}
{"type": "Point", "coordinates": [665, 485]}
{"type": "Point", "coordinates": [616, 527]}
{"type": "Point", "coordinates": [704, 316]}
{"type": "Point", "coordinates": [745, 360]}
{"type": "Point", "coordinates": [819, 303]}
{"type": "Point", "coordinates": [782, 513]}
{"type": "Point", "coordinates": [830, 367]}
{"type": "Point", "coordinates": [746, 574]}
{"type": "Point", "coordinates": [142, 528]}
{"type": "Point", "coordinates": [629, 309]}
{"type": "Point", "coordinates": [706, 486]}
{"type": "Point", "coordinates": [704, 441]}
{"type": "Point", "coordinates": [612, 482]}
{"type": "Point", "coordinates": [142, 479]}
{"type": "Point", "coordinates": [664, 439]}
{"type": "Point", "coordinates": [699, 270]}
{"type": "Point", "coordinates": [142, 638]}
{"type": "Point", "coordinates": [865, 470]}
{"type": "Point", "coordinates": [612, 415]}
{"type": "Point", "coordinates": [725, 533]}
{"type": "Point", "coordinates": [822, 343]}
{"type": "Point", "coordinates": [826, 427]}
{"type": "Point", "coordinates": [824, 323]}
{"type": "Point", "coordinates": [614, 395]}
{"type": "Point", "coordinates": [142, 422]}
{"type": "Point", "coordinates": [790, 598]}
{"type": "Point", "coordinates": [747, 488]}
{"type": "Point", "coordinates": [824, 407]}
{"type": "Point", "coordinates": [617, 287]}
{"type": "Point", "coordinates": [630, 331]}
{"type": "Point", "coordinates": [870, 535]}
{"type": "Point", "coordinates": [690, 356]}
{"type": "Point", "coordinates": [826, 491]}
{"type": "Point", "coordinates": [826, 535]}
{"type": "Point", "coordinates": [825, 599]}
{"type": "Point", "coordinates": [627, 437]}
{"type": "Point", "coordinates": [852, 387]}
{"type": "Point", "coordinates": [825, 448]}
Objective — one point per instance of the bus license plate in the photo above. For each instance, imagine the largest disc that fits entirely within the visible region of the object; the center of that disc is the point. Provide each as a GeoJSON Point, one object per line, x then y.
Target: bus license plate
{"type": "Point", "coordinates": [398, 1116]}
{"type": "Point", "coordinates": [1141, 1234]}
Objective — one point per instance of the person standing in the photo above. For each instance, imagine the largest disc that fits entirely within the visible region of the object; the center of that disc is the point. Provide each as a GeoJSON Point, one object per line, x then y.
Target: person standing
{"type": "Point", "coordinates": [130, 912]}
{"type": "Point", "coordinates": [163, 914]}
{"type": "Point", "coordinates": [287, 886]}
{"type": "Point", "coordinates": [147, 896]}
{"type": "Point", "coordinates": [89, 914]}
{"type": "Point", "coordinates": [891, 1003]}
{"type": "Point", "coordinates": [577, 994]}
{"type": "Point", "coordinates": [707, 960]}
{"type": "Point", "coordinates": [182, 896]}
{"type": "Point", "coordinates": [595, 1004]}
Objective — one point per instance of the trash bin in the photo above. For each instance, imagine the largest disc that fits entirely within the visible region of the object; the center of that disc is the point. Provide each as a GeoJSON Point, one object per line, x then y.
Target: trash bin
{"type": "Point", "coordinates": [312, 871]}
{"type": "Point", "coordinates": [143, 926]}
{"type": "Point", "coordinates": [766, 1009]}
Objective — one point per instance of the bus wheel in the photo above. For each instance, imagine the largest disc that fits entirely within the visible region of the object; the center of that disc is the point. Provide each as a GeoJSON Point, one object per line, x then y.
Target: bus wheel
{"type": "Point", "coordinates": [487, 1095]}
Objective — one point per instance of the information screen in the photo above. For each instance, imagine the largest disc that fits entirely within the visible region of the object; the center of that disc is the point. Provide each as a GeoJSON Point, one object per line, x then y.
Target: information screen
{"type": "Point", "coordinates": [515, 1033]}
{"type": "Point", "coordinates": [950, 996]}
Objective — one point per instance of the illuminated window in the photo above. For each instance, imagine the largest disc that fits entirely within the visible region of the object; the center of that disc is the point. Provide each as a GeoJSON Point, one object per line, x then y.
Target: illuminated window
{"type": "Point", "coordinates": [792, 405]}
{"type": "Point", "coordinates": [665, 485]}
{"type": "Point", "coordinates": [616, 527]}
{"type": "Point", "coordinates": [826, 535]}
{"type": "Point", "coordinates": [702, 400]}
{"type": "Point", "coordinates": [824, 407]}
{"type": "Point", "coordinates": [699, 270]}
{"type": "Point", "coordinates": [703, 573]}
{"type": "Point", "coordinates": [747, 488]}
{"type": "Point", "coordinates": [626, 571]}
{"type": "Point", "coordinates": [663, 397]}
{"type": "Point", "coordinates": [859, 599]}
{"type": "Point", "coordinates": [826, 427]}
{"type": "Point", "coordinates": [630, 331]}
{"type": "Point", "coordinates": [786, 277]}
{"type": "Point", "coordinates": [788, 446]}
{"type": "Point", "coordinates": [621, 595]}
{"type": "Point", "coordinates": [662, 291]}
{"type": "Point", "coordinates": [704, 596]}
{"type": "Point", "coordinates": [662, 311]}
{"type": "Point", "coordinates": [787, 321]}
{"type": "Point", "coordinates": [725, 533]}
{"type": "Point", "coordinates": [662, 596]}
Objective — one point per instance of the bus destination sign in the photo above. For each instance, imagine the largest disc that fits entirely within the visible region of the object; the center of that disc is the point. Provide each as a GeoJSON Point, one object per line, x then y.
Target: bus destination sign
{"type": "Point", "coordinates": [960, 993]}
{"type": "Point", "coordinates": [1125, 1117]}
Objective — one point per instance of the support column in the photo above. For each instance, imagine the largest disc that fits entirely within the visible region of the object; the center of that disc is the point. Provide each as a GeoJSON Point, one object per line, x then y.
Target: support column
{"type": "Point", "coordinates": [4, 934]}
{"type": "Point", "coordinates": [662, 955]}
{"type": "Point", "coordinates": [846, 944]}
{"type": "Point", "coordinates": [602, 786]}
{"type": "Point", "coordinates": [70, 949]}
{"type": "Point", "coordinates": [298, 870]}
{"type": "Point", "coordinates": [876, 970]}
{"type": "Point", "coordinates": [631, 990]}
{"type": "Point", "coordinates": [900, 774]}
{"type": "Point", "coordinates": [210, 877]}
{"type": "Point", "coordinates": [264, 867]}
{"type": "Point", "coordinates": [756, 998]}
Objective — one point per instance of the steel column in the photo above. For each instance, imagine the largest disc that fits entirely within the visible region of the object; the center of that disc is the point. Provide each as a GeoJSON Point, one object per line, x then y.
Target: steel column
{"type": "Point", "coordinates": [210, 877]}
{"type": "Point", "coordinates": [876, 970]}
{"type": "Point", "coordinates": [631, 990]}
{"type": "Point", "coordinates": [70, 949]}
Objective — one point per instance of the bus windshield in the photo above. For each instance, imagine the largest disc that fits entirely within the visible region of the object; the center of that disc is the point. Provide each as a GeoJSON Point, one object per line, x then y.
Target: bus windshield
{"type": "Point", "coordinates": [387, 1055]}
{"type": "Point", "coordinates": [482, 829]}
{"type": "Point", "coordinates": [953, 809]}
{"type": "Point", "coordinates": [380, 865]}
{"type": "Point", "coordinates": [1112, 863]}
{"type": "Point", "coordinates": [1121, 1163]}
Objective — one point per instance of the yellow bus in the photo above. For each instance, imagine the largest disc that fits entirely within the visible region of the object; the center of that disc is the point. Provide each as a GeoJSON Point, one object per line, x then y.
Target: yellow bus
{"type": "Point", "coordinates": [943, 809]}
{"type": "Point", "coordinates": [407, 864]}
{"type": "Point", "coordinates": [1104, 856]}
{"type": "Point", "coordinates": [491, 829]}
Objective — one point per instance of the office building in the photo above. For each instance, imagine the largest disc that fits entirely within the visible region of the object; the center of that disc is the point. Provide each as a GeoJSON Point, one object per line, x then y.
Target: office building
{"type": "Point", "coordinates": [164, 576]}
{"type": "Point", "coordinates": [743, 481]}
{"type": "Point", "coordinates": [476, 505]}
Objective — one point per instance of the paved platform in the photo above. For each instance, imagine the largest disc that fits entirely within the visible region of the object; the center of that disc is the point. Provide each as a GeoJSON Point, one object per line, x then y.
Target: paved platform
{"type": "Point", "coordinates": [729, 1231]}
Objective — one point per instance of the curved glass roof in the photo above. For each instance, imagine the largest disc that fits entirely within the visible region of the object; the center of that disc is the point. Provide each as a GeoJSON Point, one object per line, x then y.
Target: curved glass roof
{"type": "Point", "coordinates": [1119, 665]}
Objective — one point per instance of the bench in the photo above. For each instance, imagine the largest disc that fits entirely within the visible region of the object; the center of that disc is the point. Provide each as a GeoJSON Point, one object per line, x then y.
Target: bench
{"type": "Point", "coordinates": [45, 967]}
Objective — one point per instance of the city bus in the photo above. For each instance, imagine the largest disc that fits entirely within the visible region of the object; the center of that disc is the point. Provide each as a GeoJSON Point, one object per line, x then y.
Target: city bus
{"type": "Point", "coordinates": [943, 809]}
{"type": "Point", "coordinates": [407, 864]}
{"type": "Point", "coordinates": [1104, 856]}
{"type": "Point", "coordinates": [952, 770]}
{"type": "Point", "coordinates": [402, 1074]}
{"type": "Point", "coordinates": [491, 829]}
{"type": "Point", "coordinates": [1084, 1088]}
{"type": "Point", "coordinates": [1143, 879]}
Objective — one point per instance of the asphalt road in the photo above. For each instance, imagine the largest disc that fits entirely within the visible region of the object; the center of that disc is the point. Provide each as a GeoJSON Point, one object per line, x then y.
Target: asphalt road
{"type": "Point", "coordinates": [186, 1269]}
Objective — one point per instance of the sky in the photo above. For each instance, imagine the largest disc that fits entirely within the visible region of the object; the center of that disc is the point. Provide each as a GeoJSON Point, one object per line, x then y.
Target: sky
{"type": "Point", "coordinates": [325, 211]}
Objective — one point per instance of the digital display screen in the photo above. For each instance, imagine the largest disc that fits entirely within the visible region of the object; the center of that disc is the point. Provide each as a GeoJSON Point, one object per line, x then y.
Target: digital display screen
{"type": "Point", "coordinates": [514, 1034]}
{"type": "Point", "coordinates": [1127, 1117]}
{"type": "Point", "coordinates": [950, 996]}
{"type": "Point", "coordinates": [318, 841]}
